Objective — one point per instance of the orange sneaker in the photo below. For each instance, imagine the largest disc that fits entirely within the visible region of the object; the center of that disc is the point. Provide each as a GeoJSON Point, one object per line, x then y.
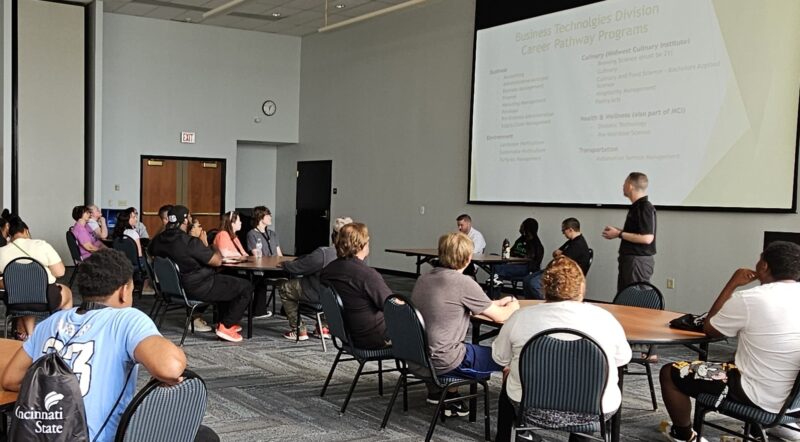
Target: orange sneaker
{"type": "Point", "coordinates": [228, 334]}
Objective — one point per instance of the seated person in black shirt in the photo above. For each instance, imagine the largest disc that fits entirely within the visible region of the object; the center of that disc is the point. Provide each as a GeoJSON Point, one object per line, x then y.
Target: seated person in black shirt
{"type": "Point", "coordinates": [528, 245]}
{"type": "Point", "coordinates": [576, 247]}
{"type": "Point", "coordinates": [362, 289]}
{"type": "Point", "coordinates": [196, 263]}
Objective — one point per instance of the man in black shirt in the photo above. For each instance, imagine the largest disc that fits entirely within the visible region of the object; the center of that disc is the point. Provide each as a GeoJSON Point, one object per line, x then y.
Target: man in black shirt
{"type": "Point", "coordinates": [576, 247]}
{"type": "Point", "coordinates": [638, 246]}
{"type": "Point", "coordinates": [196, 263]}
{"type": "Point", "coordinates": [362, 289]}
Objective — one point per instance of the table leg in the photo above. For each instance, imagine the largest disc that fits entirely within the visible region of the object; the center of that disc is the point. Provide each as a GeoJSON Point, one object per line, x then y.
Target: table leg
{"type": "Point", "coordinates": [250, 310]}
{"type": "Point", "coordinates": [617, 419]}
{"type": "Point", "coordinates": [419, 265]}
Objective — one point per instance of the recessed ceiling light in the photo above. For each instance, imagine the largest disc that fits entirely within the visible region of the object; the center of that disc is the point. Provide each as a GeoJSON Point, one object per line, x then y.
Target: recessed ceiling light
{"type": "Point", "coordinates": [188, 19]}
{"type": "Point", "coordinates": [340, 6]}
{"type": "Point", "coordinates": [277, 14]}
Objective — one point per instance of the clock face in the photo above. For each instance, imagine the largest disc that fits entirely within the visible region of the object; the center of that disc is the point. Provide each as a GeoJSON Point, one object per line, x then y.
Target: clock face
{"type": "Point", "coordinates": [269, 108]}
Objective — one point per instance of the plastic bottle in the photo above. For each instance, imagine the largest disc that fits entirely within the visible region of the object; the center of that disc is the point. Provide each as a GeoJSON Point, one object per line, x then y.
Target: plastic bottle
{"type": "Point", "coordinates": [506, 249]}
{"type": "Point", "coordinates": [259, 249]}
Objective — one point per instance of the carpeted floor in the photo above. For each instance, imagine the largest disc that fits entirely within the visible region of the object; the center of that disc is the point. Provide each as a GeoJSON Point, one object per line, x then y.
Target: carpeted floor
{"type": "Point", "coordinates": [267, 389]}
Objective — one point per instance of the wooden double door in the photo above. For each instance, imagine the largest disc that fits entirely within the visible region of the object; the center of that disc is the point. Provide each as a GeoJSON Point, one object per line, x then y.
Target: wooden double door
{"type": "Point", "coordinates": [196, 183]}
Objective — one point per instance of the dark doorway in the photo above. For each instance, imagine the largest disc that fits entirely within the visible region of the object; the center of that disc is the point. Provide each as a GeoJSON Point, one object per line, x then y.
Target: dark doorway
{"type": "Point", "coordinates": [313, 218]}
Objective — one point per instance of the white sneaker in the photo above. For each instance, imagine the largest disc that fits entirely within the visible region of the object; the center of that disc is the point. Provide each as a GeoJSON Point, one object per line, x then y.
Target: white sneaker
{"type": "Point", "coordinates": [694, 438]}
{"type": "Point", "coordinates": [200, 325]}
{"type": "Point", "coordinates": [785, 433]}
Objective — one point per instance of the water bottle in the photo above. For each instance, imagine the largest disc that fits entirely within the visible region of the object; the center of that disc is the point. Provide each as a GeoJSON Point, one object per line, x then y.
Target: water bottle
{"type": "Point", "coordinates": [506, 249]}
{"type": "Point", "coordinates": [258, 252]}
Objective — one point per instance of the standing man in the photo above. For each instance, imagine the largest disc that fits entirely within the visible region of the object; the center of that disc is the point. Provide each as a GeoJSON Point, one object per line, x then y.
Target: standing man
{"type": "Point", "coordinates": [197, 265]}
{"type": "Point", "coordinates": [465, 226]}
{"type": "Point", "coordinates": [638, 245]}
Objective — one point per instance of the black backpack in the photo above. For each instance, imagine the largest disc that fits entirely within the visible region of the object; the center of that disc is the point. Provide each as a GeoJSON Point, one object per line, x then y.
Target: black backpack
{"type": "Point", "coordinates": [50, 405]}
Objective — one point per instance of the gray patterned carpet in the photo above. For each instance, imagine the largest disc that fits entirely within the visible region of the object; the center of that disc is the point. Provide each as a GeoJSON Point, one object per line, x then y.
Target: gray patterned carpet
{"type": "Point", "coordinates": [267, 389]}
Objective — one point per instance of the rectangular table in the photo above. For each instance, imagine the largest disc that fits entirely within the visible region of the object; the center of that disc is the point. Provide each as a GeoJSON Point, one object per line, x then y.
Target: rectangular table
{"type": "Point", "coordinates": [254, 267]}
{"type": "Point", "coordinates": [641, 325]}
{"type": "Point", "coordinates": [486, 262]}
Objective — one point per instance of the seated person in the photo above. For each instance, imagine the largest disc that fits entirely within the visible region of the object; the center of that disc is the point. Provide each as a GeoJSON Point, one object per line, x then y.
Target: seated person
{"type": "Point", "coordinates": [464, 224]}
{"type": "Point", "coordinates": [764, 319]}
{"type": "Point", "coordinates": [564, 288]}
{"type": "Point", "coordinates": [307, 288]}
{"type": "Point", "coordinates": [262, 235]}
{"type": "Point", "coordinates": [87, 243]}
{"type": "Point", "coordinates": [97, 222]}
{"type": "Point", "coordinates": [59, 297]}
{"type": "Point", "coordinates": [3, 231]}
{"type": "Point", "coordinates": [528, 245]}
{"type": "Point", "coordinates": [121, 337]}
{"type": "Point", "coordinates": [575, 248]}
{"type": "Point", "coordinates": [362, 289]}
{"type": "Point", "coordinates": [446, 297]}
{"type": "Point", "coordinates": [226, 240]}
{"type": "Point", "coordinates": [125, 227]}
{"type": "Point", "coordinates": [138, 226]}
{"type": "Point", "coordinates": [162, 215]}
{"type": "Point", "coordinates": [196, 264]}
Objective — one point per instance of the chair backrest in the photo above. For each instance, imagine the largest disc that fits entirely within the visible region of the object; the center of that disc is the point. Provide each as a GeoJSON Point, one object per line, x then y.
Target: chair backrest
{"type": "Point", "coordinates": [127, 245]}
{"type": "Point", "coordinates": [563, 375]}
{"type": "Point", "coordinates": [334, 313]}
{"type": "Point", "coordinates": [793, 400]}
{"type": "Point", "coordinates": [74, 249]}
{"type": "Point", "coordinates": [406, 329]}
{"type": "Point", "coordinates": [160, 412]}
{"type": "Point", "coordinates": [169, 279]}
{"type": "Point", "coordinates": [25, 282]}
{"type": "Point", "coordinates": [641, 294]}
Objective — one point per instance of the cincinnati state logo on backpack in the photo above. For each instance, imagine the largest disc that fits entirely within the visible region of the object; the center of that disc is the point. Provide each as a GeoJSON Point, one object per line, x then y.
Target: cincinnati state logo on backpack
{"type": "Point", "coordinates": [47, 421]}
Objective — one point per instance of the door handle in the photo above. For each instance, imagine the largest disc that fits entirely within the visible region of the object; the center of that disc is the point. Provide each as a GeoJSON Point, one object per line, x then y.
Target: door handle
{"type": "Point", "coordinates": [205, 213]}
{"type": "Point", "coordinates": [150, 213]}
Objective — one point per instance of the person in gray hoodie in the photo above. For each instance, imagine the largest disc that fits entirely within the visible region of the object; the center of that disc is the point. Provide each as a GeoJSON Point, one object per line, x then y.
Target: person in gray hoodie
{"type": "Point", "coordinates": [307, 288]}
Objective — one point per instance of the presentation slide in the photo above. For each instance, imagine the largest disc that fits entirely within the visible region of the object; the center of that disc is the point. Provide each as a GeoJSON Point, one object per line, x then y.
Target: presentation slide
{"type": "Point", "coordinates": [700, 95]}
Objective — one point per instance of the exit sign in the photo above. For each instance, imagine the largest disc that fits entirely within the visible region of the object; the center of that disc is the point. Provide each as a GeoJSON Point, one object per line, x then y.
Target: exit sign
{"type": "Point", "coordinates": [187, 137]}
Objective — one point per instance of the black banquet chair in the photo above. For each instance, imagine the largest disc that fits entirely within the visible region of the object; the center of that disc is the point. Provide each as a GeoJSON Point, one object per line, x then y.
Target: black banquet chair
{"type": "Point", "coordinates": [755, 419]}
{"type": "Point", "coordinates": [406, 329]}
{"type": "Point", "coordinates": [563, 382]}
{"type": "Point", "coordinates": [173, 295]}
{"type": "Point", "coordinates": [644, 295]}
{"type": "Point", "coordinates": [26, 285]}
{"type": "Point", "coordinates": [165, 412]}
{"type": "Point", "coordinates": [75, 253]}
{"type": "Point", "coordinates": [340, 335]}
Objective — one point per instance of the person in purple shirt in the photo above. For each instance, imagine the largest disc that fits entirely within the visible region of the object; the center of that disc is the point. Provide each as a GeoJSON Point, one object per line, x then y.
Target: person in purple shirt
{"type": "Point", "coordinates": [87, 243]}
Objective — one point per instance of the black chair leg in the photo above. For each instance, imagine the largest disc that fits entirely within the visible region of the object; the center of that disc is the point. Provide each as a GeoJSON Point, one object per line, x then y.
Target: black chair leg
{"type": "Point", "coordinates": [72, 276]}
{"type": "Point", "coordinates": [486, 422]}
{"type": "Point", "coordinates": [352, 386]}
{"type": "Point", "coordinates": [652, 387]}
{"type": "Point", "coordinates": [400, 380]}
{"type": "Point", "coordinates": [186, 327]}
{"type": "Point", "coordinates": [699, 420]}
{"type": "Point", "coordinates": [439, 412]}
{"type": "Point", "coordinates": [156, 303]}
{"type": "Point", "coordinates": [330, 374]}
{"type": "Point", "coordinates": [380, 377]}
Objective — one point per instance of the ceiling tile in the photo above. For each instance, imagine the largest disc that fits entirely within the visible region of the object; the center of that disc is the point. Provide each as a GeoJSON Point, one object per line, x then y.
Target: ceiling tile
{"type": "Point", "coordinates": [193, 16]}
{"type": "Point", "coordinates": [135, 9]}
{"type": "Point", "coordinates": [222, 20]}
{"type": "Point", "coordinates": [166, 13]}
{"type": "Point", "coordinates": [252, 8]}
{"type": "Point", "coordinates": [303, 17]}
{"type": "Point", "coordinates": [283, 10]}
{"type": "Point", "coordinates": [306, 4]}
{"type": "Point", "coordinates": [363, 9]}
{"type": "Point", "coordinates": [188, 2]}
{"type": "Point", "coordinates": [248, 24]}
{"type": "Point", "coordinates": [275, 27]}
{"type": "Point", "coordinates": [112, 5]}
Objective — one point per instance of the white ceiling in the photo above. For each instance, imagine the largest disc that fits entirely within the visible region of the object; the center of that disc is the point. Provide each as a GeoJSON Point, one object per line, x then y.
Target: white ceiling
{"type": "Point", "coordinates": [297, 17]}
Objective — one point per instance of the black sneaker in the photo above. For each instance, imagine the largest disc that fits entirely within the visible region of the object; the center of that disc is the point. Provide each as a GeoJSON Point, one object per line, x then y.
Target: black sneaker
{"type": "Point", "coordinates": [458, 408]}
{"type": "Point", "coordinates": [528, 436]}
{"type": "Point", "coordinates": [433, 397]}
